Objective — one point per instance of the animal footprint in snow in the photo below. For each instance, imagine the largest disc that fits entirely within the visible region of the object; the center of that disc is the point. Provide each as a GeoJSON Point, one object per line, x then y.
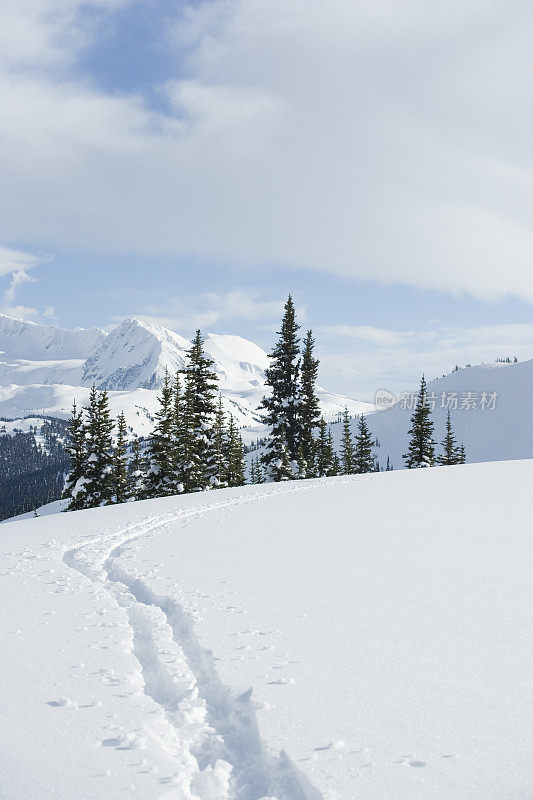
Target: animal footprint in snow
{"type": "Point", "coordinates": [63, 702]}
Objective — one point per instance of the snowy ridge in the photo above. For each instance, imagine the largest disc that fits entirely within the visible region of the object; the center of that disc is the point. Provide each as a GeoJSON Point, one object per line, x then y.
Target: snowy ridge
{"type": "Point", "coordinates": [28, 340]}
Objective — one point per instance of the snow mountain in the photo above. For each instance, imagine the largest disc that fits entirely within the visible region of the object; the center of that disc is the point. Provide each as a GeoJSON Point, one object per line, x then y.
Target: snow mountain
{"type": "Point", "coordinates": [43, 368]}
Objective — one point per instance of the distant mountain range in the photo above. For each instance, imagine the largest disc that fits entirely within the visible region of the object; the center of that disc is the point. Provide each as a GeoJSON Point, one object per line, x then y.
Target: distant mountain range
{"type": "Point", "coordinates": [44, 368]}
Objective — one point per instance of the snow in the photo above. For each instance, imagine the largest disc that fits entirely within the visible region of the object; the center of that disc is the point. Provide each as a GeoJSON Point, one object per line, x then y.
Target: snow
{"type": "Point", "coordinates": [319, 639]}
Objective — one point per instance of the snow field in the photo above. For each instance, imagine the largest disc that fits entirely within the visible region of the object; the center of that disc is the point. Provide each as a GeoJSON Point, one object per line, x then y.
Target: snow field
{"type": "Point", "coordinates": [318, 639]}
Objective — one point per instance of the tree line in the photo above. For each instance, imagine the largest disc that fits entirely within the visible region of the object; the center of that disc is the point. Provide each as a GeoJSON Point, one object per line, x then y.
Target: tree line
{"type": "Point", "coordinates": [196, 446]}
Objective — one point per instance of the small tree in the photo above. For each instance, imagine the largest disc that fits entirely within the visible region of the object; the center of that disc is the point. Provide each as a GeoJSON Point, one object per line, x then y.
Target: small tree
{"type": "Point", "coordinates": [201, 388]}
{"type": "Point", "coordinates": [309, 408]}
{"type": "Point", "coordinates": [137, 486]}
{"type": "Point", "coordinates": [364, 460]}
{"type": "Point", "coordinates": [450, 452]}
{"type": "Point", "coordinates": [99, 484]}
{"type": "Point", "coordinates": [234, 475]}
{"type": "Point", "coordinates": [160, 477]}
{"type": "Point", "coordinates": [421, 452]}
{"type": "Point", "coordinates": [121, 482]}
{"type": "Point", "coordinates": [347, 448]}
{"type": "Point", "coordinates": [74, 488]}
{"type": "Point", "coordinates": [324, 451]}
{"type": "Point", "coordinates": [222, 448]}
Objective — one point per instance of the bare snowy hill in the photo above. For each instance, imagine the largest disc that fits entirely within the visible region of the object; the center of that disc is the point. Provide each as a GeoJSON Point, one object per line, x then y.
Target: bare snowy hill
{"type": "Point", "coordinates": [318, 640]}
{"type": "Point", "coordinates": [42, 369]}
{"type": "Point", "coordinates": [490, 411]}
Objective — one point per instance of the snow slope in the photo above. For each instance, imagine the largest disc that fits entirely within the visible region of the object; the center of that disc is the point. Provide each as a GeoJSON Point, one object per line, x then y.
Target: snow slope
{"type": "Point", "coordinates": [319, 639]}
{"type": "Point", "coordinates": [504, 432]}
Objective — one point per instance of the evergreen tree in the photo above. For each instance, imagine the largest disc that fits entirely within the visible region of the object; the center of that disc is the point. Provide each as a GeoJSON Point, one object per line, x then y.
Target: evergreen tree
{"type": "Point", "coordinates": [74, 489]}
{"type": "Point", "coordinates": [282, 406]}
{"type": "Point", "coordinates": [253, 472]}
{"type": "Point", "coordinates": [222, 443]}
{"type": "Point", "coordinates": [364, 460]}
{"type": "Point", "coordinates": [309, 406]}
{"type": "Point", "coordinates": [421, 452]}
{"type": "Point", "coordinates": [177, 438]}
{"type": "Point", "coordinates": [347, 448]}
{"type": "Point", "coordinates": [99, 448]}
{"type": "Point", "coordinates": [302, 468]}
{"type": "Point", "coordinates": [324, 451]}
{"type": "Point", "coordinates": [121, 483]}
{"type": "Point", "coordinates": [137, 486]}
{"type": "Point", "coordinates": [235, 456]}
{"type": "Point", "coordinates": [450, 451]}
{"type": "Point", "coordinates": [461, 455]}
{"type": "Point", "coordinates": [160, 477]}
{"type": "Point", "coordinates": [280, 465]}
{"type": "Point", "coordinates": [335, 461]}
{"type": "Point", "coordinates": [201, 387]}
{"type": "Point", "coordinates": [389, 466]}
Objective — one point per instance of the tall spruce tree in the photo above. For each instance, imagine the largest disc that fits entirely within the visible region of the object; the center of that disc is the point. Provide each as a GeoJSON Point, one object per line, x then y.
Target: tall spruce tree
{"type": "Point", "coordinates": [121, 481]}
{"type": "Point", "coordinates": [201, 390]}
{"type": "Point", "coordinates": [364, 460]}
{"type": "Point", "coordinates": [309, 409]}
{"type": "Point", "coordinates": [421, 452]}
{"type": "Point", "coordinates": [99, 448]}
{"type": "Point", "coordinates": [324, 451]}
{"type": "Point", "coordinates": [347, 447]}
{"type": "Point", "coordinates": [74, 488]}
{"type": "Point", "coordinates": [450, 451]}
{"type": "Point", "coordinates": [160, 477]}
{"type": "Point", "coordinates": [282, 405]}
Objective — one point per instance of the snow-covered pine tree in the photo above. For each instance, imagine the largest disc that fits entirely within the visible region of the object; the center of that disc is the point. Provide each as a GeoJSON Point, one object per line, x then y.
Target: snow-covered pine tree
{"type": "Point", "coordinates": [222, 446]}
{"type": "Point", "coordinates": [177, 437]}
{"type": "Point", "coordinates": [335, 460]}
{"type": "Point", "coordinates": [347, 448]}
{"type": "Point", "coordinates": [282, 405]}
{"type": "Point", "coordinates": [421, 452]}
{"type": "Point", "coordinates": [309, 408]}
{"type": "Point", "coordinates": [74, 488]}
{"type": "Point", "coordinates": [325, 454]}
{"type": "Point", "coordinates": [201, 389]}
{"type": "Point", "coordinates": [99, 449]}
{"type": "Point", "coordinates": [121, 482]}
{"type": "Point", "coordinates": [235, 456]}
{"type": "Point", "coordinates": [252, 471]}
{"type": "Point", "coordinates": [450, 451]}
{"type": "Point", "coordinates": [461, 454]}
{"type": "Point", "coordinates": [137, 487]}
{"type": "Point", "coordinates": [364, 460]}
{"type": "Point", "coordinates": [389, 466]}
{"type": "Point", "coordinates": [160, 476]}
{"type": "Point", "coordinates": [280, 467]}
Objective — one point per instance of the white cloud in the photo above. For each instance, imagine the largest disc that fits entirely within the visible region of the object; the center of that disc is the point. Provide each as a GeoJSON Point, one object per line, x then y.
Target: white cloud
{"type": "Point", "coordinates": [188, 312]}
{"type": "Point", "coordinates": [395, 360]}
{"type": "Point", "coordinates": [14, 265]}
{"type": "Point", "coordinates": [372, 140]}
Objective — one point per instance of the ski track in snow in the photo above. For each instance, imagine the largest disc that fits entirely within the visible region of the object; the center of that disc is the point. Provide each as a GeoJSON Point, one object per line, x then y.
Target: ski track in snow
{"type": "Point", "coordinates": [212, 735]}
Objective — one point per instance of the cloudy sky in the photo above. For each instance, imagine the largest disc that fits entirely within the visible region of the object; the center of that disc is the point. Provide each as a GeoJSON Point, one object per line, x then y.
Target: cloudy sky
{"type": "Point", "coordinates": [192, 163]}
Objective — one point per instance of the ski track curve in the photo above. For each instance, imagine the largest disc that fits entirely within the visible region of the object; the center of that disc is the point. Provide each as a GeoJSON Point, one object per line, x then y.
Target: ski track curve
{"type": "Point", "coordinates": [212, 735]}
